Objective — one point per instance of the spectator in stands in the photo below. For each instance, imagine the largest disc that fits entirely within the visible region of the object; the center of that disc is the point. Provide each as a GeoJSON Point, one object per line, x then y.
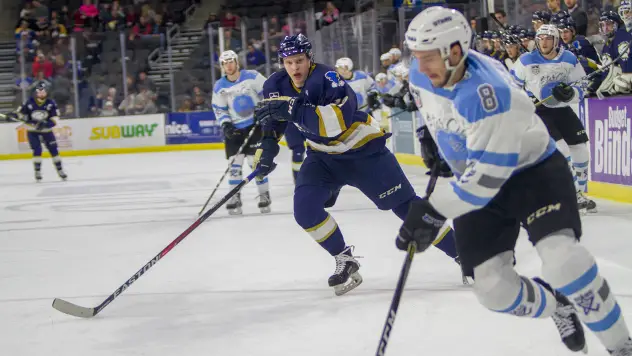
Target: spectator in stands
{"type": "Point", "coordinates": [142, 28]}
{"type": "Point", "coordinates": [275, 30]}
{"type": "Point", "coordinates": [329, 15]}
{"type": "Point", "coordinates": [186, 105]}
{"type": "Point", "coordinates": [64, 16]}
{"type": "Point", "coordinates": [26, 12]}
{"type": "Point", "coordinates": [473, 24]}
{"type": "Point", "coordinates": [200, 103]}
{"type": "Point", "coordinates": [24, 38]}
{"type": "Point", "coordinates": [56, 29]}
{"type": "Point", "coordinates": [114, 18]}
{"type": "Point", "coordinates": [127, 105]}
{"type": "Point", "coordinates": [159, 26]}
{"type": "Point", "coordinates": [42, 33]}
{"type": "Point", "coordinates": [255, 57]}
{"type": "Point", "coordinates": [40, 78]}
{"type": "Point", "coordinates": [579, 15]}
{"type": "Point", "coordinates": [108, 109]}
{"type": "Point", "coordinates": [42, 65]}
{"type": "Point", "coordinates": [60, 67]}
{"type": "Point", "coordinates": [89, 12]}
{"type": "Point", "coordinates": [230, 20]}
{"type": "Point", "coordinates": [212, 21]}
{"type": "Point", "coordinates": [197, 91]}
{"type": "Point", "coordinates": [167, 14]}
{"type": "Point", "coordinates": [554, 6]}
{"type": "Point", "coordinates": [501, 16]}
{"type": "Point", "coordinates": [144, 81]}
{"type": "Point", "coordinates": [131, 17]}
{"type": "Point", "coordinates": [144, 102]}
{"type": "Point", "coordinates": [230, 42]}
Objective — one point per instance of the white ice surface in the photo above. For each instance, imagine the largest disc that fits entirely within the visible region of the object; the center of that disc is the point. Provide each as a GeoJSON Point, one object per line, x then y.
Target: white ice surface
{"type": "Point", "coordinates": [250, 285]}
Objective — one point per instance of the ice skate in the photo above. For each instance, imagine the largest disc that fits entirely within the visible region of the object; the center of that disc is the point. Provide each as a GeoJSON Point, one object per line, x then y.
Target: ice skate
{"type": "Point", "coordinates": [568, 324]}
{"type": "Point", "coordinates": [62, 174]}
{"type": "Point", "coordinates": [346, 268]}
{"type": "Point", "coordinates": [38, 176]}
{"type": "Point", "coordinates": [265, 202]}
{"type": "Point", "coordinates": [585, 205]}
{"type": "Point", "coordinates": [465, 278]}
{"type": "Point", "coordinates": [234, 205]}
{"type": "Point", "coordinates": [624, 350]}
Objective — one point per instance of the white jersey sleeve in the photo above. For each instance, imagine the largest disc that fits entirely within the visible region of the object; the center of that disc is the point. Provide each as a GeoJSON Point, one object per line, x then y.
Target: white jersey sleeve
{"type": "Point", "coordinates": [361, 83]}
{"type": "Point", "coordinates": [235, 101]}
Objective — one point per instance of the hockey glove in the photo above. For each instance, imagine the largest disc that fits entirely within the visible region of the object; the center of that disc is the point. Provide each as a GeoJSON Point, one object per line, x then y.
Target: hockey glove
{"type": "Point", "coordinates": [229, 130]}
{"type": "Point", "coordinates": [429, 150]}
{"type": "Point", "coordinates": [372, 101]}
{"type": "Point", "coordinates": [274, 109]}
{"type": "Point", "coordinates": [264, 157]}
{"type": "Point", "coordinates": [422, 225]}
{"type": "Point", "coordinates": [388, 100]}
{"type": "Point", "coordinates": [41, 125]}
{"type": "Point", "coordinates": [563, 92]}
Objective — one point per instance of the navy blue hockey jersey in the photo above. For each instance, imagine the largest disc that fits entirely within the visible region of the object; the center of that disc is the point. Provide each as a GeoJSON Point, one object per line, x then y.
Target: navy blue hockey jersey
{"type": "Point", "coordinates": [326, 112]}
{"type": "Point", "coordinates": [616, 46]}
{"type": "Point", "coordinates": [41, 113]}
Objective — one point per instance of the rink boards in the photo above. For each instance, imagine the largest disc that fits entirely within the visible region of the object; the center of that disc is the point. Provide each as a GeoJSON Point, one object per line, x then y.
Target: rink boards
{"type": "Point", "coordinates": [607, 123]}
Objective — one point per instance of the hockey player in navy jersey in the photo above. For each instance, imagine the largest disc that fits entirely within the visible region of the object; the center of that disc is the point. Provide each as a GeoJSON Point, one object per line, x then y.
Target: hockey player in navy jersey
{"type": "Point", "coordinates": [618, 79]}
{"type": "Point", "coordinates": [40, 114]}
{"type": "Point", "coordinates": [234, 98]}
{"type": "Point", "coordinates": [539, 18]}
{"type": "Point", "coordinates": [577, 44]}
{"type": "Point", "coordinates": [345, 147]}
{"type": "Point", "coordinates": [547, 71]}
{"type": "Point", "coordinates": [508, 173]}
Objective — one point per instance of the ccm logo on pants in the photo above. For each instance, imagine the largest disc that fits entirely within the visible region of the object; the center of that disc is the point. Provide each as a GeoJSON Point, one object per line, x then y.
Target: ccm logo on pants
{"type": "Point", "coordinates": [391, 191]}
{"type": "Point", "coordinates": [543, 211]}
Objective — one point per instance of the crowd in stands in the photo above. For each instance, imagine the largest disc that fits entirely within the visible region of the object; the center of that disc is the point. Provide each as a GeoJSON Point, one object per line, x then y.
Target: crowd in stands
{"type": "Point", "coordinates": [43, 47]}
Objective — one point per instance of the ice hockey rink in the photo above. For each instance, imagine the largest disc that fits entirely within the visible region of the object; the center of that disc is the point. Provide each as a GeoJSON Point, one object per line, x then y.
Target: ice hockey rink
{"type": "Point", "coordinates": [247, 285]}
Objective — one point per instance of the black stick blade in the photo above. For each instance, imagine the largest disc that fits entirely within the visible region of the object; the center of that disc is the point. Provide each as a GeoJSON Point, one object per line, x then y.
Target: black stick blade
{"type": "Point", "coordinates": [73, 309]}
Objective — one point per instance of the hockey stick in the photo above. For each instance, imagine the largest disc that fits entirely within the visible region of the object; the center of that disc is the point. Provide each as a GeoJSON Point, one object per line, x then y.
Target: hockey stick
{"type": "Point", "coordinates": [230, 164]}
{"type": "Point", "coordinates": [83, 312]}
{"type": "Point", "coordinates": [403, 276]}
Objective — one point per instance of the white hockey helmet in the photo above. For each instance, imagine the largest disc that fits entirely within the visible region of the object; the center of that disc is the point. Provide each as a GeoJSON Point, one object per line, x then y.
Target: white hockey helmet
{"type": "Point", "coordinates": [440, 28]}
{"type": "Point", "coordinates": [228, 56]}
{"type": "Point", "coordinates": [548, 30]}
{"type": "Point", "coordinates": [386, 57]}
{"type": "Point", "coordinates": [625, 12]}
{"type": "Point", "coordinates": [380, 77]}
{"type": "Point", "coordinates": [395, 52]}
{"type": "Point", "coordinates": [401, 71]}
{"type": "Point", "coordinates": [344, 62]}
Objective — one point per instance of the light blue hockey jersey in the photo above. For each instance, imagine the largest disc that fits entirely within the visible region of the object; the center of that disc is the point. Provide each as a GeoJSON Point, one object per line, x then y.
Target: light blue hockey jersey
{"type": "Point", "coordinates": [235, 101]}
{"type": "Point", "coordinates": [361, 83]}
{"type": "Point", "coordinates": [486, 129]}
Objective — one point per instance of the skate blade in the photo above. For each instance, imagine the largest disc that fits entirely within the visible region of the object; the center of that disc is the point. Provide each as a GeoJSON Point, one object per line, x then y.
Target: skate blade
{"type": "Point", "coordinates": [235, 211]}
{"type": "Point", "coordinates": [265, 210]}
{"type": "Point", "coordinates": [354, 281]}
{"type": "Point", "coordinates": [585, 349]}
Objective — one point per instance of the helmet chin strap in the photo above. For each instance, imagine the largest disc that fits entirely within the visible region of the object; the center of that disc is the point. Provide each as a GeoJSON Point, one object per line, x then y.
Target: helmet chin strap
{"type": "Point", "coordinates": [451, 70]}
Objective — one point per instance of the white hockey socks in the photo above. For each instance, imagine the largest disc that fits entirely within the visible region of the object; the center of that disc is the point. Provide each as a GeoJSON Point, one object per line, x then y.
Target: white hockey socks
{"type": "Point", "coordinates": [572, 270]}
{"type": "Point", "coordinates": [236, 175]}
{"type": "Point", "coordinates": [580, 156]}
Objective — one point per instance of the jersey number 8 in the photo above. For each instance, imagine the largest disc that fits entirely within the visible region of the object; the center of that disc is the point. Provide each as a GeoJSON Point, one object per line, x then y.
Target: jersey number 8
{"type": "Point", "coordinates": [488, 97]}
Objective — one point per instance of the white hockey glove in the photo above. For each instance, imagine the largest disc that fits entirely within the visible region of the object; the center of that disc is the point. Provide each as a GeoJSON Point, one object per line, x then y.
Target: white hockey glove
{"type": "Point", "coordinates": [623, 83]}
{"type": "Point", "coordinates": [608, 86]}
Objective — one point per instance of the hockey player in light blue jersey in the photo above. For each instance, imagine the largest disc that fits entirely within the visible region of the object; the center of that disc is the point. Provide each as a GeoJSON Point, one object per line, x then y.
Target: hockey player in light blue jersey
{"type": "Point", "coordinates": [234, 98]}
{"type": "Point", "coordinates": [508, 173]}
{"type": "Point", "coordinates": [361, 83]}
{"type": "Point", "coordinates": [549, 71]}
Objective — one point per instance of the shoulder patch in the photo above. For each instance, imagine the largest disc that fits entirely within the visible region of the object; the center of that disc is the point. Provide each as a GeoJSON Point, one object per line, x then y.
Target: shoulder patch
{"type": "Point", "coordinates": [335, 79]}
{"type": "Point", "coordinates": [623, 48]}
{"type": "Point", "coordinates": [488, 97]}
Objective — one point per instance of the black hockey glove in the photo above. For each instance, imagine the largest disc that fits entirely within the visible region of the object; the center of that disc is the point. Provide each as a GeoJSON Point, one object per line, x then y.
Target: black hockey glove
{"type": "Point", "coordinates": [563, 92]}
{"type": "Point", "coordinates": [410, 107]}
{"type": "Point", "coordinates": [430, 153]}
{"type": "Point", "coordinates": [275, 109]}
{"type": "Point", "coordinates": [388, 100]}
{"type": "Point", "coordinates": [41, 125]}
{"type": "Point", "coordinates": [372, 100]}
{"type": "Point", "coordinates": [229, 130]}
{"type": "Point", "coordinates": [264, 157]}
{"type": "Point", "coordinates": [422, 225]}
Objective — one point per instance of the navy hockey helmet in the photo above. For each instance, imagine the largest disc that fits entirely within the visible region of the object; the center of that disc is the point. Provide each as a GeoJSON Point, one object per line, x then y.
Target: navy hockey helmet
{"type": "Point", "coordinates": [542, 16]}
{"type": "Point", "coordinates": [296, 44]}
{"type": "Point", "coordinates": [566, 24]}
{"type": "Point", "coordinates": [487, 35]}
{"type": "Point", "coordinates": [560, 16]}
{"type": "Point", "coordinates": [609, 23]}
{"type": "Point", "coordinates": [510, 39]}
{"type": "Point", "coordinates": [41, 90]}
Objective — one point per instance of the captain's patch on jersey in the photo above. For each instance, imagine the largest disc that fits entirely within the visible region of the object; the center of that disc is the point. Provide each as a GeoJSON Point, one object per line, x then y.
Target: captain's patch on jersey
{"type": "Point", "coordinates": [335, 79]}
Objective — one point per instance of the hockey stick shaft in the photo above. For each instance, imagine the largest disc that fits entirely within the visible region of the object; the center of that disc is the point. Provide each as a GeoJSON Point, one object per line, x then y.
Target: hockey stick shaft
{"type": "Point", "coordinates": [230, 164]}
{"type": "Point", "coordinates": [403, 276]}
{"type": "Point", "coordinates": [78, 311]}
